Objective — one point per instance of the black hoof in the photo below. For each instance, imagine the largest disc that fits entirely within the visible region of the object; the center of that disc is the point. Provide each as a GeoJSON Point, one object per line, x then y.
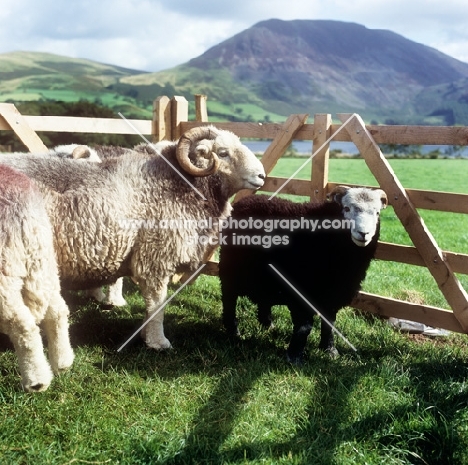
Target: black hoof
{"type": "Point", "coordinates": [267, 325]}
{"type": "Point", "coordinates": [296, 360]}
{"type": "Point", "coordinates": [232, 331]}
{"type": "Point", "coordinates": [332, 352]}
{"type": "Point", "coordinates": [37, 387]}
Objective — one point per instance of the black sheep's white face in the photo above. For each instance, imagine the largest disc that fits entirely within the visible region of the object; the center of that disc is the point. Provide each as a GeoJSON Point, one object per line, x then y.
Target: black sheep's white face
{"type": "Point", "coordinates": [362, 206]}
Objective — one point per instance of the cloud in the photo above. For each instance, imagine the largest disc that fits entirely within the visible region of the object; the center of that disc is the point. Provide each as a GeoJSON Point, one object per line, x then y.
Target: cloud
{"type": "Point", "coordinates": [141, 35]}
{"type": "Point", "coordinates": [158, 34]}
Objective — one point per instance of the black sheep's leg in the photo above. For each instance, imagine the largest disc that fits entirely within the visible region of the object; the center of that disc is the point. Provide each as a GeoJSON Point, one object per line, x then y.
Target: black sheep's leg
{"type": "Point", "coordinates": [301, 330]}
{"type": "Point", "coordinates": [327, 342]}
{"type": "Point", "coordinates": [229, 300]}
{"type": "Point", "coordinates": [264, 315]}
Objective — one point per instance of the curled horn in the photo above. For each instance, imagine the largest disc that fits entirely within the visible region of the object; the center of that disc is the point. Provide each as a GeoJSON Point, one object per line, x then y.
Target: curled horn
{"type": "Point", "coordinates": [337, 193]}
{"type": "Point", "coordinates": [80, 151]}
{"type": "Point", "coordinates": [183, 150]}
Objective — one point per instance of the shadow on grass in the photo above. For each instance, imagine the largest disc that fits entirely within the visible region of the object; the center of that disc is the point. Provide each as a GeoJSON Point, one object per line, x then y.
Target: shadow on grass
{"type": "Point", "coordinates": [421, 432]}
{"type": "Point", "coordinates": [424, 431]}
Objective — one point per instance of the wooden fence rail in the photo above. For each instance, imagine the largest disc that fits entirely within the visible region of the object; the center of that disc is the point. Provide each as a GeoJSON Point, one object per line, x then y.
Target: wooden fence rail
{"type": "Point", "coordinates": [170, 120]}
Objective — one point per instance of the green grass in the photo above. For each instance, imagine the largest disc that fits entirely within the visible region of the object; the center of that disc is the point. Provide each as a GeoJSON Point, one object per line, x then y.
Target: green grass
{"type": "Point", "coordinates": [438, 174]}
{"type": "Point", "coordinates": [211, 400]}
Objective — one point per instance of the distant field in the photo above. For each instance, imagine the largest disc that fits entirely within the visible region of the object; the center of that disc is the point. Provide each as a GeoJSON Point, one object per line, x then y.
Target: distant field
{"type": "Point", "coordinates": [442, 175]}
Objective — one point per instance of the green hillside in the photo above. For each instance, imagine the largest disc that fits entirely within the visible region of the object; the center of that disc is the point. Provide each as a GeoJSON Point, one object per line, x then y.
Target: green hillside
{"type": "Point", "coordinates": [446, 104]}
{"type": "Point", "coordinates": [31, 76]}
{"type": "Point", "coordinates": [227, 99]}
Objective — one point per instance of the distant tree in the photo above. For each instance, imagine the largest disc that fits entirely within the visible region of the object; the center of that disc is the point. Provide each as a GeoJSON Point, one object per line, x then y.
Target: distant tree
{"type": "Point", "coordinates": [401, 151]}
{"type": "Point", "coordinates": [291, 151]}
{"type": "Point", "coordinates": [455, 151]}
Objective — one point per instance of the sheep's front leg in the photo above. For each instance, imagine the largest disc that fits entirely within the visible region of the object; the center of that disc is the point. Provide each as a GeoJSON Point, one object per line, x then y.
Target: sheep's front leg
{"type": "Point", "coordinates": [56, 326]}
{"type": "Point", "coordinates": [154, 293]}
{"type": "Point", "coordinates": [229, 300]}
{"type": "Point", "coordinates": [301, 330]}
{"type": "Point", "coordinates": [96, 293]}
{"type": "Point", "coordinates": [327, 341]}
{"type": "Point", "coordinates": [264, 315]}
{"type": "Point", "coordinates": [114, 294]}
{"type": "Point", "coordinates": [17, 321]}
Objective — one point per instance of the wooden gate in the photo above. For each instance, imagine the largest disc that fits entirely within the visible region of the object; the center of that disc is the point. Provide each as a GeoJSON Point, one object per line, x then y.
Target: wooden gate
{"type": "Point", "coordinates": [170, 119]}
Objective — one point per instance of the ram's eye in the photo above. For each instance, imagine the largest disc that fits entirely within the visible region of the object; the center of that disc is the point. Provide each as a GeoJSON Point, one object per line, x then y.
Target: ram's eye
{"type": "Point", "coordinates": [223, 153]}
{"type": "Point", "coordinates": [346, 209]}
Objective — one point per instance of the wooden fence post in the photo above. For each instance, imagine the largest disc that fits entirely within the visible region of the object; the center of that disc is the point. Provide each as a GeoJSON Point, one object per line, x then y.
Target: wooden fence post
{"type": "Point", "coordinates": [423, 240]}
{"type": "Point", "coordinates": [179, 113]}
{"type": "Point", "coordinates": [322, 130]}
{"type": "Point", "coordinates": [161, 127]}
{"type": "Point", "coordinates": [201, 112]}
{"type": "Point", "coordinates": [201, 115]}
{"type": "Point", "coordinates": [278, 146]}
{"type": "Point", "coordinates": [21, 128]}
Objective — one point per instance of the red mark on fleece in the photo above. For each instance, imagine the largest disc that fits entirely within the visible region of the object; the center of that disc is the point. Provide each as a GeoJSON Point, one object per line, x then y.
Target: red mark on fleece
{"type": "Point", "coordinates": [12, 181]}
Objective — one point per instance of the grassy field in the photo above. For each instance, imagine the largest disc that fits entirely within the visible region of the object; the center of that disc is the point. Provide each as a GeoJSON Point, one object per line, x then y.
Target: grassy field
{"type": "Point", "coordinates": [399, 400]}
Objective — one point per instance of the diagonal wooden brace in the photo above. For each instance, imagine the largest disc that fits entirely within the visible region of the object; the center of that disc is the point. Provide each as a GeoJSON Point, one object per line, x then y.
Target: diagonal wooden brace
{"type": "Point", "coordinates": [278, 146]}
{"type": "Point", "coordinates": [19, 125]}
{"type": "Point", "coordinates": [422, 239]}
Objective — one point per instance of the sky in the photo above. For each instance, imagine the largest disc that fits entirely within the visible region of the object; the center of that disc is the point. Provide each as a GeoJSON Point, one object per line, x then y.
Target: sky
{"type": "Point", "coordinates": [153, 35]}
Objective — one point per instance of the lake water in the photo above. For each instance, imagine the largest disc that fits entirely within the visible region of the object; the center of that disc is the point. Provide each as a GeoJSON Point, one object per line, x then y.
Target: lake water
{"type": "Point", "coordinates": [302, 146]}
{"type": "Point", "coordinates": [305, 147]}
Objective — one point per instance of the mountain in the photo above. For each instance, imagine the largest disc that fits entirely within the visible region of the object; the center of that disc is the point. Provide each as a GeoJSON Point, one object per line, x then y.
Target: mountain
{"type": "Point", "coordinates": [320, 66]}
{"type": "Point", "coordinates": [280, 67]}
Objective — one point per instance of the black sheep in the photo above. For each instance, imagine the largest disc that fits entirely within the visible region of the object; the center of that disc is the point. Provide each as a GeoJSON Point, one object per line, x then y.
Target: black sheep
{"type": "Point", "coordinates": [326, 266]}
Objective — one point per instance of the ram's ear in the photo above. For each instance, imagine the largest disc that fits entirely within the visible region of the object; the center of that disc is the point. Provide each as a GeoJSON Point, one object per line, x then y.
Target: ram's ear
{"type": "Point", "coordinates": [337, 193]}
{"type": "Point", "coordinates": [203, 151]}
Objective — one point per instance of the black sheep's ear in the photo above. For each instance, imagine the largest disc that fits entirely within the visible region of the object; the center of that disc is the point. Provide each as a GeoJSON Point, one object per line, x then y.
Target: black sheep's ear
{"type": "Point", "coordinates": [337, 193]}
{"type": "Point", "coordinates": [383, 198]}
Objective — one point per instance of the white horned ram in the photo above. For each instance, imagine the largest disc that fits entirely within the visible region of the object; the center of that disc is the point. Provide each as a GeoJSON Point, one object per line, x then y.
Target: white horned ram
{"type": "Point", "coordinates": [29, 283]}
{"type": "Point", "coordinates": [106, 217]}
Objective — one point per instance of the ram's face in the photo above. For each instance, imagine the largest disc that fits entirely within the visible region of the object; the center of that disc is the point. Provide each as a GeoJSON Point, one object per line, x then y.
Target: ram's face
{"type": "Point", "coordinates": [238, 165]}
